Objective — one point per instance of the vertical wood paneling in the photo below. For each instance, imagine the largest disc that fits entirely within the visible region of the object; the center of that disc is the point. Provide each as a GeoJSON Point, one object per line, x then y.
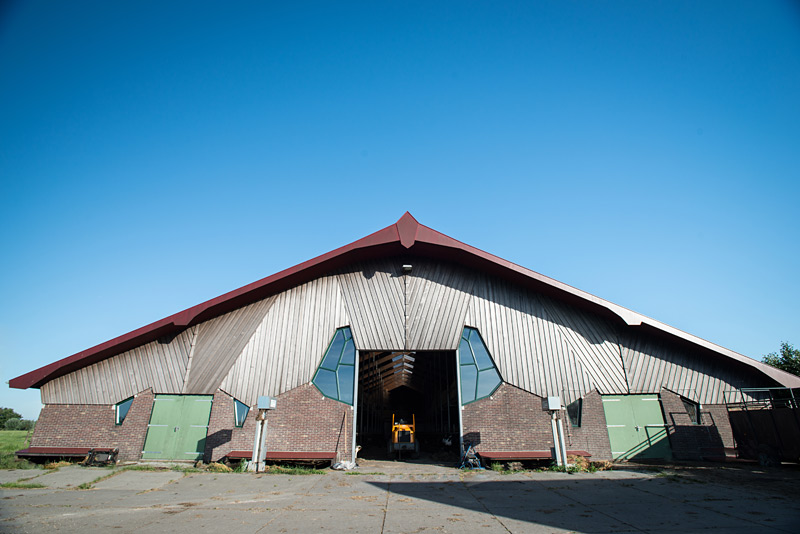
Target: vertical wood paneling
{"type": "Point", "coordinates": [529, 349]}
{"type": "Point", "coordinates": [437, 298]}
{"type": "Point", "coordinates": [538, 343]}
{"type": "Point", "coordinates": [653, 365]}
{"type": "Point", "coordinates": [219, 343]}
{"type": "Point", "coordinates": [374, 298]}
{"type": "Point", "coordinates": [287, 345]}
{"type": "Point", "coordinates": [594, 342]}
{"type": "Point", "coordinates": [156, 365]}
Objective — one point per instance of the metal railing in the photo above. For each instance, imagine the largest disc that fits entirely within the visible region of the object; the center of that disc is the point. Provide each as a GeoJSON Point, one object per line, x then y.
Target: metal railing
{"type": "Point", "coordinates": [762, 398]}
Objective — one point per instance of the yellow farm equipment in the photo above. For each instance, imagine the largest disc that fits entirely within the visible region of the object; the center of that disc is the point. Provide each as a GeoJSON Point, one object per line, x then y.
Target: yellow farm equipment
{"type": "Point", "coordinates": [404, 436]}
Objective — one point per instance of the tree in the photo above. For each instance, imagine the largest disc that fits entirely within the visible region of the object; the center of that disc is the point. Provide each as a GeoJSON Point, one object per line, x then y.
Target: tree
{"type": "Point", "coordinates": [787, 359]}
{"type": "Point", "coordinates": [12, 423]}
{"type": "Point", "coordinates": [6, 414]}
{"type": "Point", "coordinates": [25, 424]}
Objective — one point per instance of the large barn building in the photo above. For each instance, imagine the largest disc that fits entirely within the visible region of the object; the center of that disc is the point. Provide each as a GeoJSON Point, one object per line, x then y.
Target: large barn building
{"type": "Point", "coordinates": [405, 321]}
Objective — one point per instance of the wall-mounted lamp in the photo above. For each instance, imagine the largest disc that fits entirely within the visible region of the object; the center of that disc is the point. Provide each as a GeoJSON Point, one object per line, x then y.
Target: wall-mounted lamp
{"type": "Point", "coordinates": [406, 269]}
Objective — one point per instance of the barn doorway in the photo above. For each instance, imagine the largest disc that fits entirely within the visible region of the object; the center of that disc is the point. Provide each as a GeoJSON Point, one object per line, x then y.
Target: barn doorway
{"type": "Point", "coordinates": [419, 387]}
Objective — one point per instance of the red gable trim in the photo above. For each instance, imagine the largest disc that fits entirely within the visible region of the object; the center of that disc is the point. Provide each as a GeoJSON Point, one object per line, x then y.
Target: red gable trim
{"type": "Point", "coordinates": [403, 237]}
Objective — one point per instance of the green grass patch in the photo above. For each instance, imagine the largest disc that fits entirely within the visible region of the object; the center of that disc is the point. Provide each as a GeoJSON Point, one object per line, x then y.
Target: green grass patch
{"type": "Point", "coordinates": [88, 485]}
{"type": "Point", "coordinates": [21, 485]}
{"type": "Point", "coordinates": [10, 442]}
{"type": "Point", "coordinates": [292, 470]}
{"type": "Point", "coordinates": [365, 473]}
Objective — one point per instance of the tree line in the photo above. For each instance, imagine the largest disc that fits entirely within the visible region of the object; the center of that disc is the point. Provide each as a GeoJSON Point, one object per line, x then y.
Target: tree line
{"type": "Point", "coordinates": [11, 420]}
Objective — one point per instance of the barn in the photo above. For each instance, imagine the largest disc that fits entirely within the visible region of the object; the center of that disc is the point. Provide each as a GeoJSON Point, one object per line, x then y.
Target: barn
{"type": "Point", "coordinates": [405, 322]}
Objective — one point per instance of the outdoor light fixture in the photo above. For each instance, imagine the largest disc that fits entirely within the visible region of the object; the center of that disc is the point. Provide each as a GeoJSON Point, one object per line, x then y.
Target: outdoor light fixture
{"type": "Point", "coordinates": [406, 269]}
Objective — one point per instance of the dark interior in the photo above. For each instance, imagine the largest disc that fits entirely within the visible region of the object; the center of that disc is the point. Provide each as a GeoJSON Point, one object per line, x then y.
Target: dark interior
{"type": "Point", "coordinates": [418, 384]}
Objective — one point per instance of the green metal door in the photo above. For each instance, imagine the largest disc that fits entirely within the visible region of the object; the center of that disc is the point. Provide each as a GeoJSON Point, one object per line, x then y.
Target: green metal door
{"type": "Point", "coordinates": [178, 427]}
{"type": "Point", "coordinates": [636, 427]}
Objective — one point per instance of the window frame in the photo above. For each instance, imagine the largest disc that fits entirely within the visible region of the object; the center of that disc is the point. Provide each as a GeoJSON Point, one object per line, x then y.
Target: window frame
{"type": "Point", "coordinates": [692, 409]}
{"type": "Point", "coordinates": [579, 417]}
{"type": "Point", "coordinates": [236, 403]}
{"type": "Point", "coordinates": [117, 408]}
{"type": "Point", "coordinates": [346, 343]}
{"type": "Point", "coordinates": [467, 339]}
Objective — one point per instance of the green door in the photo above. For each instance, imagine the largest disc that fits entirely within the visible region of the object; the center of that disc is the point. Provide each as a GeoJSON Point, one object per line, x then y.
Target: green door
{"type": "Point", "coordinates": [178, 427]}
{"type": "Point", "coordinates": [636, 427]}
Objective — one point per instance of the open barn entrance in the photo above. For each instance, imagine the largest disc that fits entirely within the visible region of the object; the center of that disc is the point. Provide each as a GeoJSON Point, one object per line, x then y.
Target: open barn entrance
{"type": "Point", "coordinates": [418, 387]}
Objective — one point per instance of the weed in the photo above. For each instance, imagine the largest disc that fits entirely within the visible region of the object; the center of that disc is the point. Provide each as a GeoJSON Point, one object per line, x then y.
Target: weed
{"type": "Point", "coordinates": [506, 469]}
{"type": "Point", "coordinates": [21, 485]}
{"type": "Point", "coordinates": [292, 470]}
{"type": "Point", "coordinates": [364, 473]}
{"type": "Point", "coordinates": [215, 467]}
{"type": "Point", "coordinates": [56, 465]}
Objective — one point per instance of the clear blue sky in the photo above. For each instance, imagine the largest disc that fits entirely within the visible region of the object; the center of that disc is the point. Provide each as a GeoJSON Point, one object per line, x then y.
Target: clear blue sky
{"type": "Point", "coordinates": [154, 155]}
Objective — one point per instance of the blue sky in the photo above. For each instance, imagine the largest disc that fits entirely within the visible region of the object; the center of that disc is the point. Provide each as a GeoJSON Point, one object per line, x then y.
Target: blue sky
{"type": "Point", "coordinates": [154, 155]}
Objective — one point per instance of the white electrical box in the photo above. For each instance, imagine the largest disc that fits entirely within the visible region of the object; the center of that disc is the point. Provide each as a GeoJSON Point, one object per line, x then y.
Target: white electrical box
{"type": "Point", "coordinates": [552, 404]}
{"type": "Point", "coordinates": [267, 403]}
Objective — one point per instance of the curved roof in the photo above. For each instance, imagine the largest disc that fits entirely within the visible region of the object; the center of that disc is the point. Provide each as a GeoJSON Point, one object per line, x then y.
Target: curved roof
{"type": "Point", "coordinates": [406, 236]}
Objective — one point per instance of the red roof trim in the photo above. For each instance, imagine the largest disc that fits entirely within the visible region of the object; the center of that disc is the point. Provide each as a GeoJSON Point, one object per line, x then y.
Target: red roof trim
{"type": "Point", "coordinates": [405, 236]}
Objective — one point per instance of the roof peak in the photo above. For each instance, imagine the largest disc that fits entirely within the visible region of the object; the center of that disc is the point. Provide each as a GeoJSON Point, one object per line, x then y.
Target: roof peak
{"type": "Point", "coordinates": [407, 227]}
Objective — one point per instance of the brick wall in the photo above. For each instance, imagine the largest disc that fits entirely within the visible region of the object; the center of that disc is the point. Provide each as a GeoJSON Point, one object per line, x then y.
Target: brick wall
{"type": "Point", "coordinates": [304, 421]}
{"type": "Point", "coordinates": [686, 438]}
{"type": "Point", "coordinates": [513, 420]}
{"type": "Point", "coordinates": [91, 425]}
{"type": "Point", "coordinates": [592, 435]}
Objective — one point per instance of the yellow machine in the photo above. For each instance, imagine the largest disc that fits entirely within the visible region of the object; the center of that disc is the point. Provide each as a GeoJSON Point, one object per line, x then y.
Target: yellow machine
{"type": "Point", "coordinates": [404, 436]}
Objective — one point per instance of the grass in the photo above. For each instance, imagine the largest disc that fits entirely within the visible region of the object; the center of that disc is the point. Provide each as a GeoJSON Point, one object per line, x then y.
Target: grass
{"type": "Point", "coordinates": [21, 485]}
{"type": "Point", "coordinates": [292, 470]}
{"type": "Point", "coordinates": [11, 441]}
{"type": "Point", "coordinates": [366, 473]}
{"type": "Point", "coordinates": [502, 469]}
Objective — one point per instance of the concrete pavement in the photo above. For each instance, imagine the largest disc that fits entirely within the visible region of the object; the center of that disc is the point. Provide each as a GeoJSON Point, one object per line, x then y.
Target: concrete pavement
{"type": "Point", "coordinates": [393, 497]}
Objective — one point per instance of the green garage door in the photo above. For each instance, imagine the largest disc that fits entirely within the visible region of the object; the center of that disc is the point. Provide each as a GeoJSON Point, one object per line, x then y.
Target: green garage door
{"type": "Point", "coordinates": [636, 427]}
{"type": "Point", "coordinates": [178, 427]}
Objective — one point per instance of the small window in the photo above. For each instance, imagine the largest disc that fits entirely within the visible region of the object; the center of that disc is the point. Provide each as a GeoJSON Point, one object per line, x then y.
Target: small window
{"type": "Point", "coordinates": [574, 410]}
{"type": "Point", "coordinates": [240, 411]}
{"type": "Point", "coordinates": [121, 410]}
{"type": "Point", "coordinates": [692, 409]}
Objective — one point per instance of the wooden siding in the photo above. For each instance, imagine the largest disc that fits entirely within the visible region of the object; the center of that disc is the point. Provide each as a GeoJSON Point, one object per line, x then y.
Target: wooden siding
{"type": "Point", "coordinates": [288, 344]}
{"type": "Point", "coordinates": [160, 366]}
{"type": "Point", "coordinates": [374, 295]}
{"type": "Point", "coordinates": [539, 344]}
{"type": "Point", "coordinates": [219, 343]}
{"type": "Point", "coordinates": [438, 296]}
{"type": "Point", "coordinates": [529, 349]}
{"type": "Point", "coordinates": [594, 341]}
{"type": "Point", "coordinates": [652, 364]}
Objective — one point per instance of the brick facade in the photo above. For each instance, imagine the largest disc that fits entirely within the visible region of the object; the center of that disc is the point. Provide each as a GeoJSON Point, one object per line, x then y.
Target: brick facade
{"type": "Point", "coordinates": [90, 425]}
{"type": "Point", "coordinates": [303, 421]}
{"type": "Point", "coordinates": [592, 435]}
{"type": "Point", "coordinates": [688, 439]}
{"type": "Point", "coordinates": [306, 421]}
{"type": "Point", "coordinates": [513, 420]}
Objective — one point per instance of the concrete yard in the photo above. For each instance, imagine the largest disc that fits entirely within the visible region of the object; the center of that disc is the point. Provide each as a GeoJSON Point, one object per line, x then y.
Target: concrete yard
{"type": "Point", "coordinates": [395, 497]}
